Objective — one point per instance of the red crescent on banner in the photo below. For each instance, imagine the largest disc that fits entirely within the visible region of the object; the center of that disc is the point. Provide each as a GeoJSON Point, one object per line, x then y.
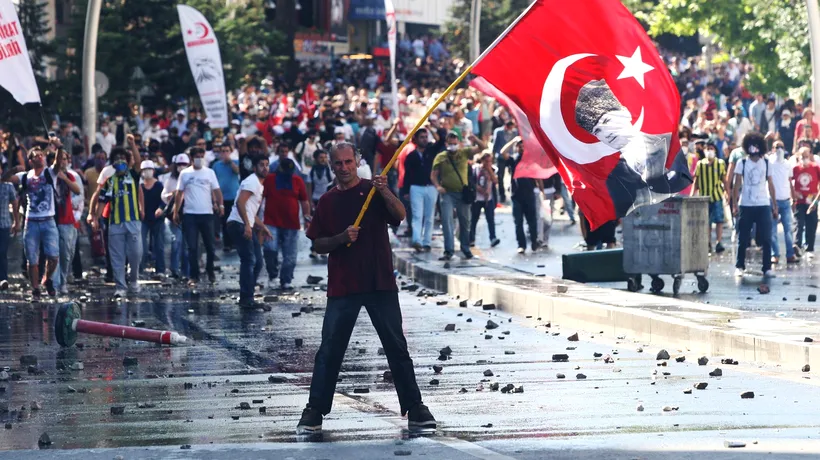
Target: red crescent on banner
{"type": "Point", "coordinates": [204, 28]}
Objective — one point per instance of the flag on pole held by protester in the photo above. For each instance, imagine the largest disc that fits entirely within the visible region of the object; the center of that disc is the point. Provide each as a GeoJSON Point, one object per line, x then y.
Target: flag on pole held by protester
{"type": "Point", "coordinates": [16, 73]}
{"type": "Point", "coordinates": [535, 163]}
{"type": "Point", "coordinates": [599, 99]}
{"type": "Point", "coordinates": [202, 50]}
{"type": "Point", "coordinates": [390, 16]}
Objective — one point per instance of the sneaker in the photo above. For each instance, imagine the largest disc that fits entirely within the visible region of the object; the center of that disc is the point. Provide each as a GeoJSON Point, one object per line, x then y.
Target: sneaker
{"type": "Point", "coordinates": [64, 289]}
{"type": "Point", "coordinates": [174, 276]}
{"type": "Point", "coordinates": [4, 285]}
{"type": "Point", "coordinates": [134, 289]}
{"type": "Point", "coordinates": [775, 260]}
{"type": "Point", "coordinates": [521, 250]}
{"type": "Point", "coordinates": [313, 255]}
{"type": "Point", "coordinates": [467, 255]}
{"type": "Point", "coordinates": [417, 246]}
{"type": "Point", "coordinates": [119, 294]}
{"type": "Point", "coordinates": [472, 244]}
{"type": "Point", "coordinates": [793, 260]}
{"type": "Point", "coordinates": [311, 422]}
{"type": "Point", "coordinates": [272, 283]}
{"type": "Point", "coordinates": [428, 248]}
{"type": "Point", "coordinates": [719, 248]}
{"type": "Point", "coordinates": [286, 287]}
{"type": "Point", "coordinates": [797, 251]}
{"type": "Point", "coordinates": [192, 282]}
{"type": "Point", "coordinates": [809, 254]}
{"type": "Point", "coordinates": [50, 288]}
{"type": "Point", "coordinates": [769, 274]}
{"type": "Point", "coordinates": [446, 256]}
{"type": "Point", "coordinates": [495, 242]}
{"type": "Point", "coordinates": [35, 294]}
{"type": "Point", "coordinates": [249, 304]}
{"type": "Point", "coordinates": [420, 418]}
{"type": "Point", "coordinates": [739, 273]}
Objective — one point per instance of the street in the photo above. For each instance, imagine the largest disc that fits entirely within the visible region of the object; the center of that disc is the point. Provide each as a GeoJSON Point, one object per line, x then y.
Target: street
{"type": "Point", "coordinates": [192, 395]}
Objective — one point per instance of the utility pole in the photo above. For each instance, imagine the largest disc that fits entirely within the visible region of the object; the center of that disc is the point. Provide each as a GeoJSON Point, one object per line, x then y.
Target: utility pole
{"type": "Point", "coordinates": [92, 23]}
{"type": "Point", "coordinates": [475, 26]}
{"type": "Point", "coordinates": [814, 33]}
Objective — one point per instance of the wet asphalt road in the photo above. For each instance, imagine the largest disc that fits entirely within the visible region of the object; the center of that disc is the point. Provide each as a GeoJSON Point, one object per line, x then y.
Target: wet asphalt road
{"type": "Point", "coordinates": [192, 394]}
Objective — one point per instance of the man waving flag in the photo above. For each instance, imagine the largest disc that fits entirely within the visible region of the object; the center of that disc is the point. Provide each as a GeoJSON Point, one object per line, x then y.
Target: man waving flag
{"type": "Point", "coordinates": [599, 100]}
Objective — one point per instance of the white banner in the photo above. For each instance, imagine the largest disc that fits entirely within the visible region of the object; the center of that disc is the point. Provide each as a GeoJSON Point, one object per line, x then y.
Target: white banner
{"type": "Point", "coordinates": [16, 74]}
{"type": "Point", "coordinates": [206, 64]}
{"type": "Point", "coordinates": [390, 16]}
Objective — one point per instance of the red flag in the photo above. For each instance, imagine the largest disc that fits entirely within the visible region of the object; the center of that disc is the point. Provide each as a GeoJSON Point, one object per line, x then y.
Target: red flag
{"type": "Point", "coordinates": [535, 163]}
{"type": "Point", "coordinates": [308, 97]}
{"type": "Point", "coordinates": [603, 105]}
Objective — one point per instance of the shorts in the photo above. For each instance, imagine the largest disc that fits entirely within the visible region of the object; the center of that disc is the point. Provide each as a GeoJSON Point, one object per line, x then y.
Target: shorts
{"type": "Point", "coordinates": [41, 232]}
{"type": "Point", "coordinates": [716, 214]}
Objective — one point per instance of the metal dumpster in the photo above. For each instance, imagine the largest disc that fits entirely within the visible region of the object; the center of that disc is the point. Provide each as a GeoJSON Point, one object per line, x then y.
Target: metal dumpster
{"type": "Point", "coordinates": [667, 238]}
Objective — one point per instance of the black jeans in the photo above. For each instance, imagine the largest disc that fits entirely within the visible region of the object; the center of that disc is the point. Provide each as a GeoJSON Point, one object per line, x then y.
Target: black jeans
{"type": "Point", "coordinates": [809, 222]}
{"type": "Point", "coordinates": [227, 237]}
{"type": "Point", "coordinates": [250, 259]}
{"type": "Point", "coordinates": [340, 317]}
{"type": "Point", "coordinates": [194, 225]}
{"type": "Point", "coordinates": [761, 217]}
{"type": "Point", "coordinates": [525, 209]}
{"type": "Point", "coordinates": [489, 213]}
{"type": "Point", "coordinates": [503, 166]}
{"type": "Point", "coordinates": [77, 263]}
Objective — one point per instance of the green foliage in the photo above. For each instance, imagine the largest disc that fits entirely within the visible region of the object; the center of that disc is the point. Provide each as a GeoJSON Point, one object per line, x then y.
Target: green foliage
{"type": "Point", "coordinates": [772, 35]}
{"type": "Point", "coordinates": [34, 25]}
{"type": "Point", "coordinates": [496, 15]}
{"type": "Point", "coordinates": [145, 34]}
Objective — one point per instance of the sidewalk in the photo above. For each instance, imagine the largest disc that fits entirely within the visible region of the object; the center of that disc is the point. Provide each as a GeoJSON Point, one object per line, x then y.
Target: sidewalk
{"type": "Point", "coordinates": [732, 320]}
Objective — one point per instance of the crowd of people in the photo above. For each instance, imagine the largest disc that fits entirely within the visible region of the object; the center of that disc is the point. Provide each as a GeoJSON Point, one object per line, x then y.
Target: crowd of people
{"type": "Point", "coordinates": [156, 183]}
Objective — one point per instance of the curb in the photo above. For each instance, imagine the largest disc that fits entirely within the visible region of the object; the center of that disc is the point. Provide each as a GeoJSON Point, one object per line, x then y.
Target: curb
{"type": "Point", "coordinates": [527, 296]}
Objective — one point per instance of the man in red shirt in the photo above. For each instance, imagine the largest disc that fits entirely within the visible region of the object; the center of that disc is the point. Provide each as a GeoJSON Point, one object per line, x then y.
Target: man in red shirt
{"type": "Point", "coordinates": [806, 181]}
{"type": "Point", "coordinates": [360, 274]}
{"type": "Point", "coordinates": [284, 193]}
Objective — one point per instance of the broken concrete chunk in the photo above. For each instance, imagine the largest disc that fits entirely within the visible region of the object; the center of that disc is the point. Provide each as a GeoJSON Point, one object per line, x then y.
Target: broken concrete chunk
{"type": "Point", "coordinates": [298, 342]}
{"type": "Point", "coordinates": [130, 361]}
{"type": "Point", "coordinates": [387, 376]}
{"type": "Point", "coordinates": [446, 351]}
{"type": "Point", "coordinates": [812, 298]}
{"type": "Point", "coordinates": [450, 327]}
{"type": "Point", "coordinates": [663, 354]}
{"type": "Point", "coordinates": [687, 391]}
{"type": "Point", "coordinates": [28, 360]}
{"type": "Point", "coordinates": [562, 288]}
{"type": "Point", "coordinates": [734, 444]}
{"type": "Point", "coordinates": [597, 355]}
{"type": "Point", "coordinates": [478, 303]}
{"type": "Point", "coordinates": [463, 303]}
{"type": "Point", "coordinates": [580, 376]}
{"type": "Point", "coordinates": [117, 410]}
{"type": "Point", "coordinates": [489, 306]}
{"type": "Point", "coordinates": [729, 361]}
{"type": "Point", "coordinates": [434, 382]}
{"type": "Point", "coordinates": [271, 298]}
{"type": "Point", "coordinates": [808, 340]}
{"type": "Point", "coordinates": [639, 408]}
{"type": "Point", "coordinates": [491, 325]}
{"type": "Point", "coordinates": [437, 368]}
{"type": "Point", "coordinates": [494, 386]}
{"type": "Point", "coordinates": [573, 337]}
{"type": "Point", "coordinates": [361, 390]}
{"type": "Point", "coordinates": [441, 303]}
{"type": "Point", "coordinates": [560, 358]}
{"type": "Point", "coordinates": [508, 388]}
{"type": "Point", "coordinates": [716, 373]}
{"type": "Point", "coordinates": [508, 352]}
{"type": "Point", "coordinates": [701, 385]}
{"type": "Point", "coordinates": [806, 368]}
{"type": "Point", "coordinates": [44, 440]}
{"type": "Point", "coordinates": [244, 406]}
{"type": "Point", "coordinates": [703, 360]}
{"type": "Point", "coordinates": [314, 279]}
{"type": "Point", "coordinates": [680, 359]}
{"type": "Point", "coordinates": [747, 395]}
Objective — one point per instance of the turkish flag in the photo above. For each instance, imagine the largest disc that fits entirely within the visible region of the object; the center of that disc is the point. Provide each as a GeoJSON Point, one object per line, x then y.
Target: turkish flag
{"type": "Point", "coordinates": [600, 100]}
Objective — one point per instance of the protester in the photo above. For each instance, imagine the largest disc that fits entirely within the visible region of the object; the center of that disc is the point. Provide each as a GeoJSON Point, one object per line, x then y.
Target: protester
{"type": "Point", "coordinates": [523, 201]}
{"type": "Point", "coordinates": [486, 181]}
{"type": "Point", "coordinates": [756, 204]}
{"type": "Point", "coordinates": [782, 174]}
{"type": "Point", "coordinates": [179, 249]}
{"type": "Point", "coordinates": [199, 189]}
{"type": "Point", "coordinates": [501, 137]}
{"type": "Point", "coordinates": [66, 222]}
{"type": "Point", "coordinates": [806, 180]}
{"type": "Point", "coordinates": [709, 178]}
{"type": "Point", "coordinates": [319, 180]}
{"type": "Point", "coordinates": [153, 222]}
{"type": "Point", "coordinates": [284, 194]}
{"type": "Point", "coordinates": [359, 275]}
{"type": "Point", "coordinates": [418, 166]}
{"type": "Point", "coordinates": [227, 174]}
{"type": "Point", "coordinates": [450, 176]}
{"type": "Point", "coordinates": [242, 222]}
{"type": "Point", "coordinates": [9, 226]}
{"type": "Point", "coordinates": [122, 193]}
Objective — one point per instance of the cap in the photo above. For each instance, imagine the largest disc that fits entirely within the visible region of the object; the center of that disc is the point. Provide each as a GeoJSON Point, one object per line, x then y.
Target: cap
{"type": "Point", "coordinates": [182, 158]}
{"type": "Point", "coordinates": [147, 164]}
{"type": "Point", "coordinates": [180, 112]}
{"type": "Point", "coordinates": [236, 122]}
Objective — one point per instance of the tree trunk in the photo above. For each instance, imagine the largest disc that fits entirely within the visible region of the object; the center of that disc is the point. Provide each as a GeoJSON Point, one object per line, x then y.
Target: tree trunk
{"type": "Point", "coordinates": [286, 22]}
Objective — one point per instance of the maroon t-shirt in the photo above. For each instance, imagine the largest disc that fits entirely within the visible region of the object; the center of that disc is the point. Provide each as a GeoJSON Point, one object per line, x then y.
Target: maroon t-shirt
{"type": "Point", "coordinates": [367, 265]}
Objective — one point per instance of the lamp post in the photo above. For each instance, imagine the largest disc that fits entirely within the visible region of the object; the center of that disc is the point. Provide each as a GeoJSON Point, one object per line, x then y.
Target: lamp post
{"type": "Point", "coordinates": [92, 23]}
{"type": "Point", "coordinates": [475, 26]}
{"type": "Point", "coordinates": [814, 33]}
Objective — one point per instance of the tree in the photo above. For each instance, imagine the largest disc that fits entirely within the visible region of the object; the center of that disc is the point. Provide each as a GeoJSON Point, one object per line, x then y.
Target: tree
{"type": "Point", "coordinates": [34, 26]}
{"type": "Point", "coordinates": [496, 15]}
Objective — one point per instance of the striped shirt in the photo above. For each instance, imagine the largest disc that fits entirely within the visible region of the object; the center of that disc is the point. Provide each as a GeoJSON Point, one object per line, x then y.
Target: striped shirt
{"type": "Point", "coordinates": [710, 177]}
{"type": "Point", "coordinates": [121, 193]}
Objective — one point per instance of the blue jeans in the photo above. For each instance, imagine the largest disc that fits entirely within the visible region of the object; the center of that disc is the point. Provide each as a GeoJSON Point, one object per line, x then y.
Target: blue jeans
{"type": "Point", "coordinates": [250, 259]}
{"type": "Point", "coordinates": [157, 231]}
{"type": "Point", "coordinates": [68, 243]}
{"type": "Point", "coordinates": [41, 232]}
{"type": "Point", "coordinates": [748, 217]}
{"type": "Point", "coordinates": [569, 205]}
{"type": "Point", "coordinates": [194, 225]}
{"type": "Point", "coordinates": [449, 201]}
{"type": "Point", "coordinates": [423, 203]}
{"type": "Point", "coordinates": [784, 211]}
{"type": "Point", "coordinates": [179, 250]}
{"type": "Point", "coordinates": [284, 240]}
{"type": "Point", "coordinates": [5, 239]}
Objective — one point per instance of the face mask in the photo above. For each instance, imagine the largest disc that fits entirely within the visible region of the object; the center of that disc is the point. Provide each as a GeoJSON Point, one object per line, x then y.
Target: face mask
{"type": "Point", "coordinates": [148, 174]}
{"type": "Point", "coordinates": [781, 153]}
{"type": "Point", "coordinates": [452, 148]}
{"type": "Point", "coordinates": [198, 162]}
{"type": "Point", "coordinates": [233, 130]}
{"type": "Point", "coordinates": [710, 154]}
{"type": "Point", "coordinates": [120, 167]}
{"type": "Point", "coordinates": [104, 129]}
{"type": "Point", "coordinates": [119, 119]}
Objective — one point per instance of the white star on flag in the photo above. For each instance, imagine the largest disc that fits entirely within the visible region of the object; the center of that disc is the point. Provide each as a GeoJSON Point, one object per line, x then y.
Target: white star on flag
{"type": "Point", "coordinates": [634, 67]}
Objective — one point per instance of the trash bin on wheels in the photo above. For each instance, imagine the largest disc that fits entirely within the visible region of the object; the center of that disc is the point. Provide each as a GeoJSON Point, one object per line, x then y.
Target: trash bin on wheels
{"type": "Point", "coordinates": [667, 238]}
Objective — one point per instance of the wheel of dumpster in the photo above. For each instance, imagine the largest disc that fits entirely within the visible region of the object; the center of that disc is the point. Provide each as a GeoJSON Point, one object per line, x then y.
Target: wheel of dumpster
{"type": "Point", "coordinates": [63, 332]}
{"type": "Point", "coordinates": [676, 282]}
{"type": "Point", "coordinates": [703, 284]}
{"type": "Point", "coordinates": [657, 284]}
{"type": "Point", "coordinates": [633, 283]}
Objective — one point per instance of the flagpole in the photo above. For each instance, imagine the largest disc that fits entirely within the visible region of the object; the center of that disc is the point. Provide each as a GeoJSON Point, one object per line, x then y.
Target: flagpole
{"type": "Point", "coordinates": [433, 107]}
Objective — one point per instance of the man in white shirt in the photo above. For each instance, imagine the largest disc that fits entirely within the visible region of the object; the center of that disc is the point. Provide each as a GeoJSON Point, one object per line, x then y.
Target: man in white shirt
{"type": "Point", "coordinates": [241, 223]}
{"type": "Point", "coordinates": [782, 173]}
{"type": "Point", "coordinates": [198, 187]}
{"type": "Point", "coordinates": [756, 205]}
{"type": "Point", "coordinates": [106, 139]}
